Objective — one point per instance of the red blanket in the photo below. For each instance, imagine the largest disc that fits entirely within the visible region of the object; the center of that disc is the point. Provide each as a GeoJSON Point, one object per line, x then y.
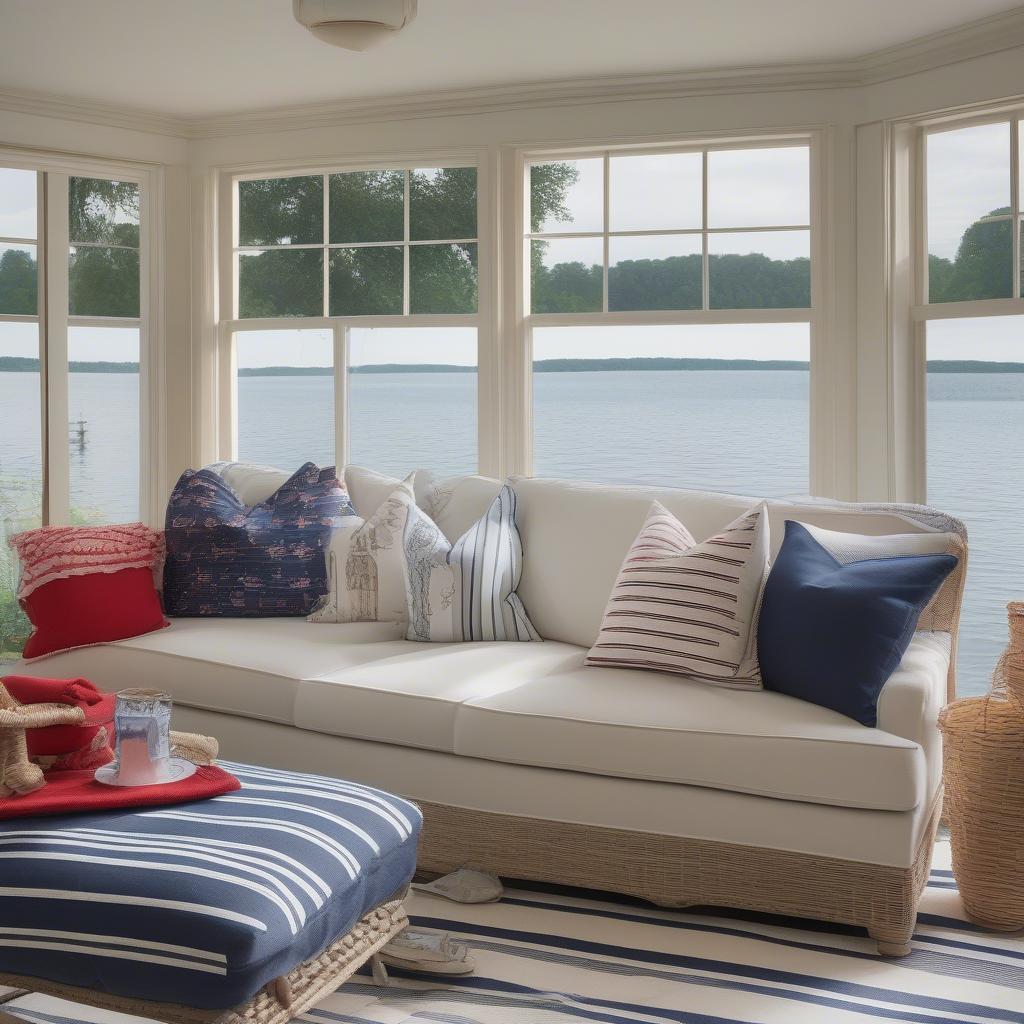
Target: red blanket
{"type": "Point", "coordinates": [80, 793]}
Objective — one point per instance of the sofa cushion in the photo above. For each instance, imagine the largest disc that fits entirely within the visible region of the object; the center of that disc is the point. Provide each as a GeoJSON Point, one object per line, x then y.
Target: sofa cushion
{"type": "Point", "coordinates": [575, 536]}
{"type": "Point", "coordinates": [411, 695]}
{"type": "Point", "coordinates": [203, 903]}
{"type": "Point", "coordinates": [242, 667]}
{"type": "Point", "coordinates": [645, 725]}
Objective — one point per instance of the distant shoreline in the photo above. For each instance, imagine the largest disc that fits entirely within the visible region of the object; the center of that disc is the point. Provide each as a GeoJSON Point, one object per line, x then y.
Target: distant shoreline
{"type": "Point", "coordinates": [21, 364]}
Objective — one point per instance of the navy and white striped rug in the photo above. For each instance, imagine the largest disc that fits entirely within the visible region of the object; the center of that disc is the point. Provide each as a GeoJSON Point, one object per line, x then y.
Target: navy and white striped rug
{"type": "Point", "coordinates": [550, 957]}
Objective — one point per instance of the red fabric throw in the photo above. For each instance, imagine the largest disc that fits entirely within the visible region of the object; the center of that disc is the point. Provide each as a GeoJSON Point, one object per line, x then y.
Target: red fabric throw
{"type": "Point", "coordinates": [97, 707]}
{"type": "Point", "coordinates": [78, 611]}
{"type": "Point", "coordinates": [80, 793]}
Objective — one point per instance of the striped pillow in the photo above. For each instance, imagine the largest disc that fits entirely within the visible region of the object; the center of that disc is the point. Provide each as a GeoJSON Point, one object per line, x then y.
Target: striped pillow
{"type": "Point", "coordinates": [467, 590]}
{"type": "Point", "coordinates": [688, 608]}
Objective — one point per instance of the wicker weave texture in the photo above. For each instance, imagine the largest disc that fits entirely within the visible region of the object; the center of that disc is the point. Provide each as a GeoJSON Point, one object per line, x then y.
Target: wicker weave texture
{"type": "Point", "coordinates": [678, 872]}
{"type": "Point", "coordinates": [1009, 674]}
{"type": "Point", "coordinates": [984, 778]}
{"type": "Point", "coordinates": [305, 985]}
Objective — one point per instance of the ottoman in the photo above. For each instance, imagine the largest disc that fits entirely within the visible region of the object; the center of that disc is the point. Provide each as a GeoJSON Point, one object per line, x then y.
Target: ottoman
{"type": "Point", "coordinates": [253, 904]}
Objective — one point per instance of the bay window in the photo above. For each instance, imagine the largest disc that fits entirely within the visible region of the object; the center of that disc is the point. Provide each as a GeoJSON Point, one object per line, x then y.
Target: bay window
{"type": "Point", "coordinates": [970, 314]}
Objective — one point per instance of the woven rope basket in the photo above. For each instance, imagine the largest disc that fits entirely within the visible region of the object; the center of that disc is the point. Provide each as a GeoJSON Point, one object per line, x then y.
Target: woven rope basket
{"type": "Point", "coordinates": [983, 772]}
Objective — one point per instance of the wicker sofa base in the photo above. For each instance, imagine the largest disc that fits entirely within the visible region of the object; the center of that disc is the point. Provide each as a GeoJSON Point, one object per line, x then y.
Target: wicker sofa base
{"type": "Point", "coordinates": [679, 872]}
{"type": "Point", "coordinates": [291, 995]}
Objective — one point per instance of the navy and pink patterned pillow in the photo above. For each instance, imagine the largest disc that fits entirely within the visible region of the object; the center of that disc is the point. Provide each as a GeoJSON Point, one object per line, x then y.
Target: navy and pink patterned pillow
{"type": "Point", "coordinates": [227, 559]}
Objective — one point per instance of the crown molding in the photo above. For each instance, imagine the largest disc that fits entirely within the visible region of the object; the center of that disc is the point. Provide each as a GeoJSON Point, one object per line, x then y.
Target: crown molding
{"type": "Point", "coordinates": [981, 38]}
{"type": "Point", "coordinates": [494, 99]}
{"type": "Point", "coordinates": [107, 115]}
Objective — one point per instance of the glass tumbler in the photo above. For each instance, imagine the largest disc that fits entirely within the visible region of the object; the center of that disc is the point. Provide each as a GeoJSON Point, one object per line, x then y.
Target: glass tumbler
{"type": "Point", "coordinates": [142, 724]}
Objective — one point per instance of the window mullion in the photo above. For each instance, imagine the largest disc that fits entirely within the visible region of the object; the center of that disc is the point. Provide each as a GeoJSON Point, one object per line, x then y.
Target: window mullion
{"type": "Point", "coordinates": [341, 402]}
{"type": "Point", "coordinates": [327, 251]}
{"type": "Point", "coordinates": [704, 260]}
{"type": "Point", "coordinates": [605, 243]}
{"type": "Point", "coordinates": [405, 246]}
{"type": "Point", "coordinates": [55, 346]}
{"type": "Point", "coordinates": [1015, 204]}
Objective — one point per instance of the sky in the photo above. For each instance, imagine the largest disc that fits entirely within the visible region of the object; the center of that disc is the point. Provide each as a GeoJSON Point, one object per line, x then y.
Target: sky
{"type": "Point", "coordinates": [746, 188]}
{"type": "Point", "coordinates": [968, 177]}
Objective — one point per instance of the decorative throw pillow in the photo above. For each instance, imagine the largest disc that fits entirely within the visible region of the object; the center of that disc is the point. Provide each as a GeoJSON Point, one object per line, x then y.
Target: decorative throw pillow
{"type": "Point", "coordinates": [224, 558]}
{"type": "Point", "coordinates": [84, 585]}
{"type": "Point", "coordinates": [467, 590]}
{"type": "Point", "coordinates": [833, 633]}
{"type": "Point", "coordinates": [366, 565]}
{"type": "Point", "coordinates": [678, 606]}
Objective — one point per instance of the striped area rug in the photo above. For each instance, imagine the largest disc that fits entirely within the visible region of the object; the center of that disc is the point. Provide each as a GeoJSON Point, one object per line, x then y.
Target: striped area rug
{"type": "Point", "coordinates": [548, 956]}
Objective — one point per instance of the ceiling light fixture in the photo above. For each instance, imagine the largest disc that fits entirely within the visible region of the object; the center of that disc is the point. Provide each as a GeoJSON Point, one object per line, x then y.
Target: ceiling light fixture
{"type": "Point", "coordinates": [354, 24]}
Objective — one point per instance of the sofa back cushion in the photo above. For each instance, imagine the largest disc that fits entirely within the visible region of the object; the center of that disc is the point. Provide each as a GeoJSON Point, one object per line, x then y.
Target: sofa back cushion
{"type": "Point", "coordinates": [575, 536]}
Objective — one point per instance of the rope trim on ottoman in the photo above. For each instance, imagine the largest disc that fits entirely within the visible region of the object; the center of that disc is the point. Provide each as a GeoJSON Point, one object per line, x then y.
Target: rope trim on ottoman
{"type": "Point", "coordinates": [301, 988]}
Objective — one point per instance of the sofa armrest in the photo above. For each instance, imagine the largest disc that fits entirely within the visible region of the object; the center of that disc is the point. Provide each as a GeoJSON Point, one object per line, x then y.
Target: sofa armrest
{"type": "Point", "coordinates": [910, 701]}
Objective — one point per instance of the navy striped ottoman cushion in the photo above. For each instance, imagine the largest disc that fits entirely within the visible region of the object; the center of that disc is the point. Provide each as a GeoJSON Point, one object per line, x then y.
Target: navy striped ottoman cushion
{"type": "Point", "coordinates": [200, 903]}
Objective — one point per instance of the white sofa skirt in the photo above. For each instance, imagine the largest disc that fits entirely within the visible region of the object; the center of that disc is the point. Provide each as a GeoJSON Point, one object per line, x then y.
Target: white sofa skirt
{"type": "Point", "coordinates": [889, 838]}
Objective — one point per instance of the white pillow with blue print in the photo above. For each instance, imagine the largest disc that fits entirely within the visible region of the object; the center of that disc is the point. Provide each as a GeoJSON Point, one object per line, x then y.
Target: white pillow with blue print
{"type": "Point", "coordinates": [466, 590]}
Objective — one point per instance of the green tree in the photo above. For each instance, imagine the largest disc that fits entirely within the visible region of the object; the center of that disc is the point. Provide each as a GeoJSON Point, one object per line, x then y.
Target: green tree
{"type": "Point", "coordinates": [18, 282]}
{"type": "Point", "coordinates": [983, 267]}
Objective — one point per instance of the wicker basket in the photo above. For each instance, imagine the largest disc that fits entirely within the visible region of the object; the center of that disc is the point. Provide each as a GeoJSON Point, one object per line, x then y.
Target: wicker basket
{"type": "Point", "coordinates": [1009, 674]}
{"type": "Point", "coordinates": [984, 781]}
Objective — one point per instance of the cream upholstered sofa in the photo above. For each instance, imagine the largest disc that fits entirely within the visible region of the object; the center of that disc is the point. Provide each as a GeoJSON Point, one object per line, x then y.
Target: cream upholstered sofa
{"type": "Point", "coordinates": [528, 764]}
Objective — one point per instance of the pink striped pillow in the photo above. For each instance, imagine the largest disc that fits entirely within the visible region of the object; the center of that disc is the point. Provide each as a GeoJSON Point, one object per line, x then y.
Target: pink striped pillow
{"type": "Point", "coordinates": [58, 552]}
{"type": "Point", "coordinates": [688, 608]}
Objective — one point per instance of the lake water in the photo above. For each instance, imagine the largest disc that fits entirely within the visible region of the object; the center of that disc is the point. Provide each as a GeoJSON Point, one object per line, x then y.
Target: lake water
{"type": "Point", "coordinates": [743, 431]}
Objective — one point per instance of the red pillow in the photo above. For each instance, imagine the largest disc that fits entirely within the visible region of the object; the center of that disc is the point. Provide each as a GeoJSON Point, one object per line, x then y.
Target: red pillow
{"type": "Point", "coordinates": [84, 585]}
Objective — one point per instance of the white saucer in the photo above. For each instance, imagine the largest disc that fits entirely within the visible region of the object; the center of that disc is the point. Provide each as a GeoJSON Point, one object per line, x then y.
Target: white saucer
{"type": "Point", "coordinates": [179, 767]}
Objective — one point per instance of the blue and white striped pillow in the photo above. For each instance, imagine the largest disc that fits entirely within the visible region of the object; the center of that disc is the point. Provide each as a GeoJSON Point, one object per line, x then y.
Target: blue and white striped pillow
{"type": "Point", "coordinates": [467, 590]}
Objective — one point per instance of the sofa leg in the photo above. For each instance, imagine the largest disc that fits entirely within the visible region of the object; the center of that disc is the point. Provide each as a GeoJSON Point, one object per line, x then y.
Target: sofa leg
{"type": "Point", "coordinates": [892, 942]}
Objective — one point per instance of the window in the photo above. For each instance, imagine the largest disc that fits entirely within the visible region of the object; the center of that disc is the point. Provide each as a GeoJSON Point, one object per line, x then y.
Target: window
{"type": "Point", "coordinates": [974, 211]}
{"type": "Point", "coordinates": [972, 327]}
{"type": "Point", "coordinates": [406, 413]}
{"type": "Point", "coordinates": [75, 455]}
{"type": "Point", "coordinates": [719, 229]}
{"type": "Point", "coordinates": [358, 243]}
{"type": "Point", "coordinates": [381, 266]}
{"type": "Point", "coordinates": [103, 350]}
{"type": "Point", "coordinates": [21, 451]}
{"type": "Point", "coordinates": [286, 397]}
{"type": "Point", "coordinates": [644, 371]}
{"type": "Point", "coordinates": [693, 406]}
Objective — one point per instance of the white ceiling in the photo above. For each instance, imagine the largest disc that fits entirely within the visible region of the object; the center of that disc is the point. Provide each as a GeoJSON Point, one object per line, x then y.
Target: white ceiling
{"type": "Point", "coordinates": [193, 58]}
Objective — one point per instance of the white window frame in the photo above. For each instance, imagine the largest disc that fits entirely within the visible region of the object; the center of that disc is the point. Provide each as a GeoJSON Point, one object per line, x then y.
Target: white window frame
{"type": "Point", "coordinates": [910, 310]}
{"type": "Point", "coordinates": [341, 326]}
{"type": "Point", "coordinates": [53, 173]}
{"type": "Point", "coordinates": [519, 434]}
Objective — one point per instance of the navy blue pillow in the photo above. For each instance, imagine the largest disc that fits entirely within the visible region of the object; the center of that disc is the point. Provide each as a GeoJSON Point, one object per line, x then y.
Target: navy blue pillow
{"type": "Point", "coordinates": [832, 634]}
{"type": "Point", "coordinates": [224, 558]}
